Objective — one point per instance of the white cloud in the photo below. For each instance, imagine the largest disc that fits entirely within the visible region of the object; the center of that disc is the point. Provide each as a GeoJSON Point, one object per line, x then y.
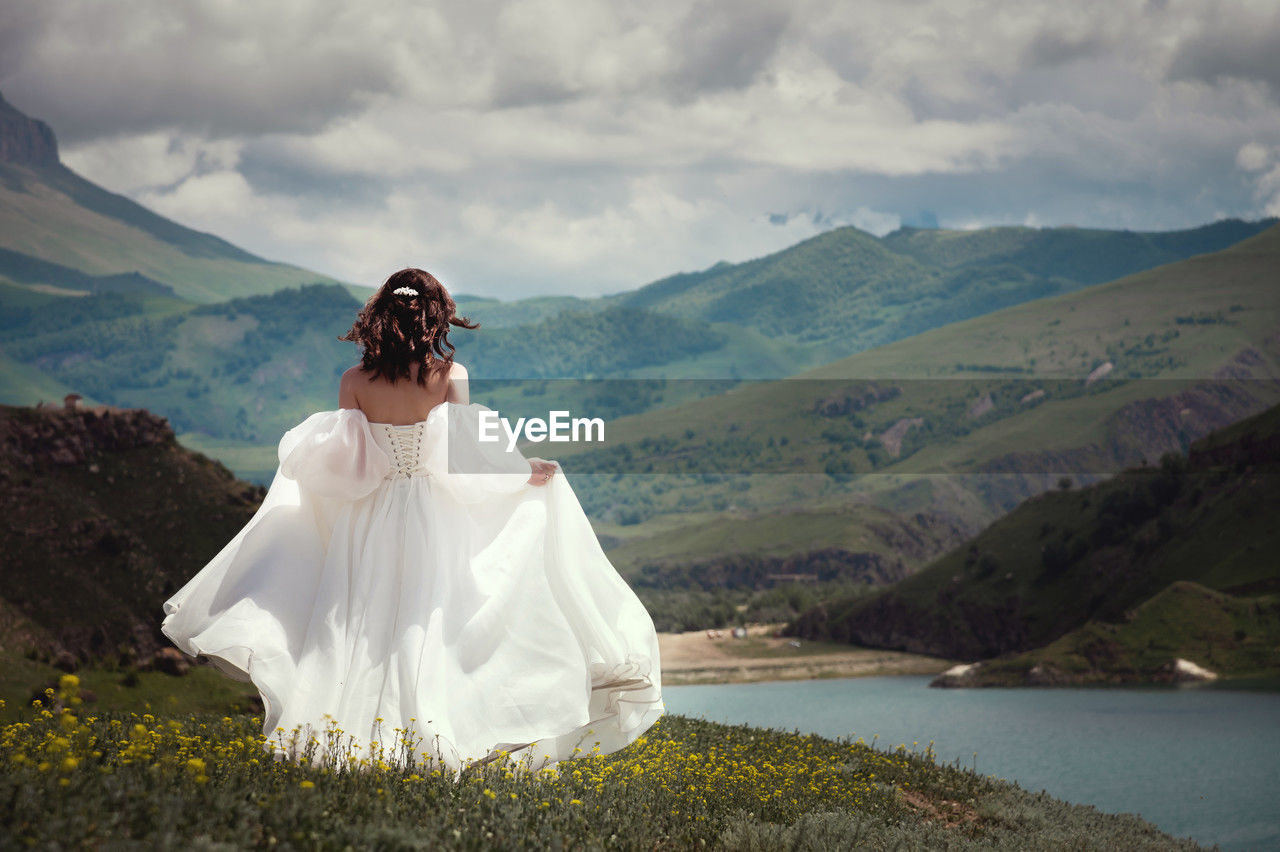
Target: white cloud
{"type": "Point", "coordinates": [1253, 157]}
{"type": "Point", "coordinates": [585, 145]}
{"type": "Point", "coordinates": [146, 162]}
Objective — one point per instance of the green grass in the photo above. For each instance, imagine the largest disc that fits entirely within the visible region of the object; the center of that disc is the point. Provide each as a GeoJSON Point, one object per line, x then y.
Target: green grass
{"type": "Point", "coordinates": [20, 386]}
{"type": "Point", "coordinates": [1236, 637]}
{"type": "Point", "coordinates": [678, 609]}
{"type": "Point", "coordinates": [748, 534]}
{"type": "Point", "coordinates": [122, 688]}
{"type": "Point", "coordinates": [86, 779]}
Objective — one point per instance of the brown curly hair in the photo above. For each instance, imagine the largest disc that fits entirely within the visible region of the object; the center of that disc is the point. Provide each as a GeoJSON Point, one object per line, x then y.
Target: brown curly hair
{"type": "Point", "coordinates": [395, 330]}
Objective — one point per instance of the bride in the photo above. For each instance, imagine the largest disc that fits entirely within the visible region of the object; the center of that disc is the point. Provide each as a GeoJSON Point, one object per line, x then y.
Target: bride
{"type": "Point", "coordinates": [432, 599]}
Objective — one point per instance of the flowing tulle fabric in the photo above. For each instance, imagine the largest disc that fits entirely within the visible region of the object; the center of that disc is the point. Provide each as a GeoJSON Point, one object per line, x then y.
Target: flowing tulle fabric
{"type": "Point", "coordinates": [407, 587]}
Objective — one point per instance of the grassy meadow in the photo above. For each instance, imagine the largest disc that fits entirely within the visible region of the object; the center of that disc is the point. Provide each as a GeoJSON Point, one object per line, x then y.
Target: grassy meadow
{"type": "Point", "coordinates": [777, 462]}
{"type": "Point", "coordinates": [75, 778]}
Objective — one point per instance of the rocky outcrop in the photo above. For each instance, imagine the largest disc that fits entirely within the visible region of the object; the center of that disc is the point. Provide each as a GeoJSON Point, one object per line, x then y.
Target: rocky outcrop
{"type": "Point", "coordinates": [981, 406]}
{"type": "Point", "coordinates": [1145, 429]}
{"type": "Point", "coordinates": [58, 436]}
{"type": "Point", "coordinates": [1185, 671]}
{"type": "Point", "coordinates": [893, 436]}
{"type": "Point", "coordinates": [1098, 372]}
{"type": "Point", "coordinates": [960, 675]}
{"type": "Point", "coordinates": [171, 661]}
{"type": "Point", "coordinates": [106, 515]}
{"type": "Point", "coordinates": [25, 141]}
{"type": "Point", "coordinates": [1001, 673]}
{"type": "Point", "coordinates": [921, 537]}
{"type": "Point", "coordinates": [855, 398]}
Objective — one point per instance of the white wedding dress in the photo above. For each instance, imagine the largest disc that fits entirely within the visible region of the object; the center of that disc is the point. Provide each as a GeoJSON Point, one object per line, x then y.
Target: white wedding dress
{"type": "Point", "coordinates": [409, 577]}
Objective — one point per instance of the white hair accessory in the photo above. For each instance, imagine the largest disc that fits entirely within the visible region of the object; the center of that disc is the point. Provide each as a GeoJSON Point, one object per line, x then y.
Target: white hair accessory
{"type": "Point", "coordinates": [405, 291]}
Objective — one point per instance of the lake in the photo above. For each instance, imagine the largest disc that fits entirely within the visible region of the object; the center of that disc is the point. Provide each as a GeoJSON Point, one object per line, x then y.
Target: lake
{"type": "Point", "coordinates": [1199, 762]}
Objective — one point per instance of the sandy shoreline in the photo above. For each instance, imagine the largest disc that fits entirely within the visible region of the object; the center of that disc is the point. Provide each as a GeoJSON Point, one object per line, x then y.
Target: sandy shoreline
{"type": "Point", "coordinates": [695, 657]}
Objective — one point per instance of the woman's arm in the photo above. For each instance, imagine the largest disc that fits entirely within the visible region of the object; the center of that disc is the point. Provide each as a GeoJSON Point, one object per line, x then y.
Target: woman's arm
{"type": "Point", "coordinates": [459, 392]}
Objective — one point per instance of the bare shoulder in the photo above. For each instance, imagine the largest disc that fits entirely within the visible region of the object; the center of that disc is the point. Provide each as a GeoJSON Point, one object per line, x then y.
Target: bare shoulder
{"type": "Point", "coordinates": [458, 385]}
{"type": "Point", "coordinates": [352, 379]}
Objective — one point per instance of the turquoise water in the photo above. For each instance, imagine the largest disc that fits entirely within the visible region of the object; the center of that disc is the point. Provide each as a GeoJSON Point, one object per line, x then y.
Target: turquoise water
{"type": "Point", "coordinates": [1198, 762]}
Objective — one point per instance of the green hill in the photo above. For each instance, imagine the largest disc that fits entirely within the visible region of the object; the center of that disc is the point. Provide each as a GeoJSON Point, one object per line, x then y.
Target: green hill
{"type": "Point", "coordinates": [105, 517]}
{"type": "Point", "coordinates": [846, 291]}
{"type": "Point", "coordinates": [1122, 576]}
{"type": "Point", "coordinates": [50, 214]}
{"type": "Point", "coordinates": [1233, 635]}
{"type": "Point", "coordinates": [1084, 255]}
{"type": "Point", "coordinates": [1192, 347]}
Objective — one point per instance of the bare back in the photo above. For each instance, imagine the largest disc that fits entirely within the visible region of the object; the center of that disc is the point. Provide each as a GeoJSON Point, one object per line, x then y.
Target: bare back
{"type": "Point", "coordinates": [404, 402]}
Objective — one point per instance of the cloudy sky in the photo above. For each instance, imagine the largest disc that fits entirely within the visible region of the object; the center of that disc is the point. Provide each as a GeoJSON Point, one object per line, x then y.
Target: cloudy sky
{"type": "Point", "coordinates": [567, 146]}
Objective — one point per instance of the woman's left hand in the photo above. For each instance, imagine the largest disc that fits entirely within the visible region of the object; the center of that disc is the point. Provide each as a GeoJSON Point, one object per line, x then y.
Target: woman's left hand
{"type": "Point", "coordinates": [542, 471]}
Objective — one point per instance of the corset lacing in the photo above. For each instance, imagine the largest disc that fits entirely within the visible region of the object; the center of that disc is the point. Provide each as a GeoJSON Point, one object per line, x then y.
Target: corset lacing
{"type": "Point", "coordinates": [406, 451]}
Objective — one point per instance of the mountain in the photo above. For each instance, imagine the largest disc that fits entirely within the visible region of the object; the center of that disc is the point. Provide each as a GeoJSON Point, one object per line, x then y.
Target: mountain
{"type": "Point", "coordinates": [1109, 582]}
{"type": "Point", "coordinates": [1084, 255]}
{"type": "Point", "coordinates": [59, 231]}
{"type": "Point", "coordinates": [846, 291]}
{"type": "Point", "coordinates": [956, 426]}
{"type": "Point", "coordinates": [105, 517]}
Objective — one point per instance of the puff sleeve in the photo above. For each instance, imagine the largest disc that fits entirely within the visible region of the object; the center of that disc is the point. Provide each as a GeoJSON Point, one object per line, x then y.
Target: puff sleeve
{"type": "Point", "coordinates": [334, 454]}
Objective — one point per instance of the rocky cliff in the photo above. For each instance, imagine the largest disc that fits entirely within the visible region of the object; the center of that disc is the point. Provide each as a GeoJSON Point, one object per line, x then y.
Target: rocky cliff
{"type": "Point", "coordinates": [25, 141]}
{"type": "Point", "coordinates": [105, 517]}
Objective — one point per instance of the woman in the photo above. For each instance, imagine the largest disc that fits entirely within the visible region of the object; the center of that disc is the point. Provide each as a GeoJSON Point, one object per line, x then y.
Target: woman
{"type": "Point", "coordinates": [425, 597]}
